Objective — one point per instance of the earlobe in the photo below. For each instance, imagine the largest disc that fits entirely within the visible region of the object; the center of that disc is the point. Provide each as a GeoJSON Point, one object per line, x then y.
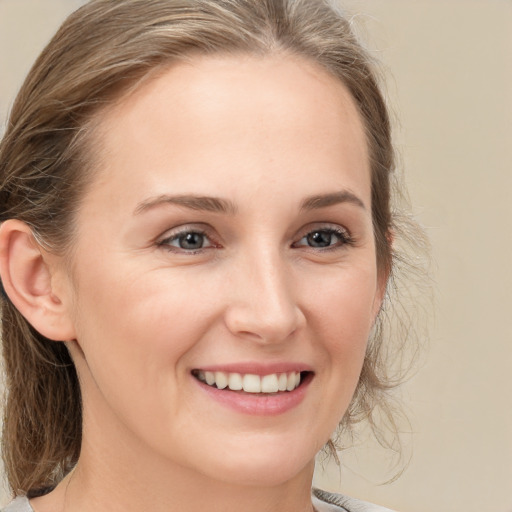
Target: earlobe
{"type": "Point", "coordinates": [28, 282]}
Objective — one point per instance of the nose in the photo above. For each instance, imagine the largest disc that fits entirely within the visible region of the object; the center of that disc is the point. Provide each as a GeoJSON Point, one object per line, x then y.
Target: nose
{"type": "Point", "coordinates": [263, 305]}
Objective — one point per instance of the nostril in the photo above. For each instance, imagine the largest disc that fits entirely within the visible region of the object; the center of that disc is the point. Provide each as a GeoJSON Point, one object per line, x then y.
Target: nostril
{"type": "Point", "coordinates": [265, 313]}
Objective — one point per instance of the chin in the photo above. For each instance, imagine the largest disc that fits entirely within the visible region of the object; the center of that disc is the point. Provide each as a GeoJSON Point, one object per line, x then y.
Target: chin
{"type": "Point", "coordinates": [266, 466]}
{"type": "Point", "coordinates": [277, 473]}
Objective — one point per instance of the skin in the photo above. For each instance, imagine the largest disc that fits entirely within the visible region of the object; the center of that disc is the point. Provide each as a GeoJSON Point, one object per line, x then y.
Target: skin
{"type": "Point", "coordinates": [264, 135]}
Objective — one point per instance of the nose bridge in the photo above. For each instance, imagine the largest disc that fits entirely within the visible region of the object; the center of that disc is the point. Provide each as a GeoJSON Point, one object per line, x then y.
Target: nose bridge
{"type": "Point", "coordinates": [265, 306]}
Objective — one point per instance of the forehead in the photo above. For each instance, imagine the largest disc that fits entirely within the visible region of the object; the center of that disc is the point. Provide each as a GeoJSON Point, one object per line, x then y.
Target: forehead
{"type": "Point", "coordinates": [241, 112]}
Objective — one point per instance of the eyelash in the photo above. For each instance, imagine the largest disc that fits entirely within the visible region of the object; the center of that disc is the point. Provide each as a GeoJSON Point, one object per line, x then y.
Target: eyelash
{"type": "Point", "coordinates": [344, 238]}
{"type": "Point", "coordinates": [166, 242]}
{"type": "Point", "coordinates": [343, 235]}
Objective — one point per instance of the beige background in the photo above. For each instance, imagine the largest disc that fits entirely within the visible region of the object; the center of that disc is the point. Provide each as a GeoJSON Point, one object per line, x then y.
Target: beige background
{"type": "Point", "coordinates": [452, 89]}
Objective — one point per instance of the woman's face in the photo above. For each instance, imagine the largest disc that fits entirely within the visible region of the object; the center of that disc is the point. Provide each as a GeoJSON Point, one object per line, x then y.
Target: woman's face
{"type": "Point", "coordinates": [226, 241]}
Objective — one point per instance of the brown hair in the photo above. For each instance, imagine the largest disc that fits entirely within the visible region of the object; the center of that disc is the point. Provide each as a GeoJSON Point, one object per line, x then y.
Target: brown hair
{"type": "Point", "coordinates": [101, 51]}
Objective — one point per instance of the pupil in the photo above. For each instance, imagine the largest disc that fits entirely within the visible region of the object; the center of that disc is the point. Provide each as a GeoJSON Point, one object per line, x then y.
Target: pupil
{"type": "Point", "coordinates": [191, 241]}
{"type": "Point", "coordinates": [320, 239]}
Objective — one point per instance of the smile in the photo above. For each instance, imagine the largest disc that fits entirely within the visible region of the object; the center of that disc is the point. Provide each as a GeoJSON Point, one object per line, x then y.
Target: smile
{"type": "Point", "coordinates": [250, 383]}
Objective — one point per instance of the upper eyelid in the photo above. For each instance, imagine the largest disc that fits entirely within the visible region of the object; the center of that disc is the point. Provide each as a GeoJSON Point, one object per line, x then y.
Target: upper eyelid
{"type": "Point", "coordinates": [185, 228]}
{"type": "Point", "coordinates": [323, 226]}
{"type": "Point", "coordinates": [166, 241]}
{"type": "Point", "coordinates": [345, 236]}
{"type": "Point", "coordinates": [211, 234]}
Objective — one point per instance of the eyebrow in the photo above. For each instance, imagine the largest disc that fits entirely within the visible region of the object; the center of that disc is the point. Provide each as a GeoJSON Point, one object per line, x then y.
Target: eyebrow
{"type": "Point", "coordinates": [201, 203]}
{"type": "Point", "coordinates": [325, 200]}
{"type": "Point", "coordinates": [218, 205]}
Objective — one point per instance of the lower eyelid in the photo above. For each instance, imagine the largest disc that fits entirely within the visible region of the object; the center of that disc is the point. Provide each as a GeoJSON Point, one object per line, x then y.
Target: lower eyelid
{"type": "Point", "coordinates": [166, 242]}
{"type": "Point", "coordinates": [343, 235]}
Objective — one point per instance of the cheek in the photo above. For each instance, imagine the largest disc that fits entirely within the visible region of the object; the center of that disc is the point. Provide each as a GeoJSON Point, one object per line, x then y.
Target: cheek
{"type": "Point", "coordinates": [342, 313]}
{"type": "Point", "coordinates": [137, 322]}
{"type": "Point", "coordinates": [345, 303]}
{"type": "Point", "coordinates": [135, 334]}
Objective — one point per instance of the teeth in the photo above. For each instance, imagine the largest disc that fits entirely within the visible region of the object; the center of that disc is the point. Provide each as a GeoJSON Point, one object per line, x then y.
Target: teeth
{"type": "Point", "coordinates": [270, 384]}
{"type": "Point", "coordinates": [290, 385]}
{"type": "Point", "coordinates": [282, 381]}
{"type": "Point", "coordinates": [235, 381]}
{"type": "Point", "coordinates": [250, 383]}
{"type": "Point", "coordinates": [221, 379]}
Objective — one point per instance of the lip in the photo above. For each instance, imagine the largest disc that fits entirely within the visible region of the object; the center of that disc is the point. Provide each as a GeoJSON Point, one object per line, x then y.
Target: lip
{"type": "Point", "coordinates": [257, 368]}
{"type": "Point", "coordinates": [257, 404]}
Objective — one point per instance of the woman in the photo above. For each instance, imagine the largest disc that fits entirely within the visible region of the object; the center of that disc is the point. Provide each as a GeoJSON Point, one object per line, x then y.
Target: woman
{"type": "Point", "coordinates": [195, 247]}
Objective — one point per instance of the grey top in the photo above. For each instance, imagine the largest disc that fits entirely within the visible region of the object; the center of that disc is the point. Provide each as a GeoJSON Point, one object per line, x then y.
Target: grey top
{"type": "Point", "coordinates": [322, 501]}
{"type": "Point", "coordinates": [329, 502]}
{"type": "Point", "coordinates": [20, 504]}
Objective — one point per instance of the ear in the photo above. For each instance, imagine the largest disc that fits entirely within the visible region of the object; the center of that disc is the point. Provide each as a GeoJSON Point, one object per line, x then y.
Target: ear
{"type": "Point", "coordinates": [29, 279]}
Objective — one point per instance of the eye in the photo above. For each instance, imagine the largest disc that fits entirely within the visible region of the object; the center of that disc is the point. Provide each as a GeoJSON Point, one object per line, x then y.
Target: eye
{"type": "Point", "coordinates": [189, 240]}
{"type": "Point", "coordinates": [324, 238]}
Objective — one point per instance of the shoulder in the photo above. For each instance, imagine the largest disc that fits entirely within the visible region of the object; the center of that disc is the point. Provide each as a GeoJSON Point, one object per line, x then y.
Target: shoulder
{"type": "Point", "coordinates": [20, 504]}
{"type": "Point", "coordinates": [330, 502]}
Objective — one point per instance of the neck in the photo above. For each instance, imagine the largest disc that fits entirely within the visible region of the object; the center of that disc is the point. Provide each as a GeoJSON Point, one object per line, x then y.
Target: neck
{"type": "Point", "coordinates": [186, 491]}
{"type": "Point", "coordinates": [88, 489]}
{"type": "Point", "coordinates": [111, 476]}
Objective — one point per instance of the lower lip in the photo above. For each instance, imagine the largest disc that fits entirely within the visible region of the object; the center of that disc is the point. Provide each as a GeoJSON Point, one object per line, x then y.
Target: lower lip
{"type": "Point", "coordinates": [258, 404]}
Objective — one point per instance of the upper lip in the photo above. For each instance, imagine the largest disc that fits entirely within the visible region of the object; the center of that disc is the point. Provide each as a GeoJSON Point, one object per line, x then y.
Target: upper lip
{"type": "Point", "coordinates": [254, 368]}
